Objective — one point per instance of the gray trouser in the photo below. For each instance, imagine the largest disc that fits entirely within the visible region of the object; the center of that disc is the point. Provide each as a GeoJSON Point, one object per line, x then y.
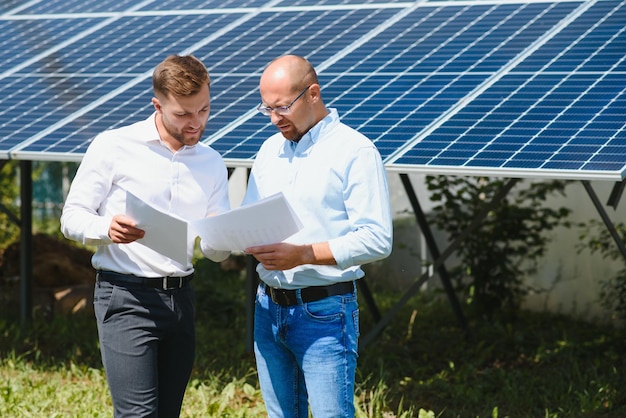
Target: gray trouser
{"type": "Point", "coordinates": [147, 343]}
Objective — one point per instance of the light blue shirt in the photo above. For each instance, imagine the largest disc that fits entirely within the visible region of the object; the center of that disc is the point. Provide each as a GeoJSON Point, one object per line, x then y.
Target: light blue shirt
{"type": "Point", "coordinates": [336, 183]}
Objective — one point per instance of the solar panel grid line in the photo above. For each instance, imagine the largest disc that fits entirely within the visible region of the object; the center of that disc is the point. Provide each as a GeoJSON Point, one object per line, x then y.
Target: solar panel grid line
{"type": "Point", "coordinates": [103, 112]}
{"type": "Point", "coordinates": [42, 104]}
{"type": "Point", "coordinates": [605, 145]}
{"type": "Point", "coordinates": [225, 30]}
{"type": "Point", "coordinates": [16, 151]}
{"type": "Point", "coordinates": [244, 142]}
{"type": "Point", "coordinates": [490, 81]}
{"type": "Point", "coordinates": [90, 47]}
{"type": "Point", "coordinates": [22, 124]}
{"type": "Point", "coordinates": [21, 7]}
{"type": "Point", "coordinates": [390, 105]}
{"type": "Point", "coordinates": [70, 15]}
{"type": "Point", "coordinates": [557, 154]}
{"type": "Point", "coordinates": [398, 36]}
{"type": "Point", "coordinates": [284, 25]}
{"type": "Point", "coordinates": [437, 3]}
{"type": "Point", "coordinates": [372, 127]}
{"type": "Point", "coordinates": [592, 86]}
{"type": "Point", "coordinates": [460, 52]}
{"type": "Point", "coordinates": [602, 127]}
{"type": "Point", "coordinates": [406, 10]}
{"type": "Point", "coordinates": [58, 47]}
{"type": "Point", "coordinates": [537, 102]}
{"type": "Point", "coordinates": [392, 97]}
{"type": "Point", "coordinates": [225, 130]}
{"type": "Point", "coordinates": [23, 153]}
{"type": "Point", "coordinates": [319, 67]}
{"type": "Point", "coordinates": [506, 172]}
{"type": "Point", "coordinates": [366, 77]}
{"type": "Point", "coordinates": [184, 5]}
{"type": "Point", "coordinates": [272, 7]}
{"type": "Point", "coordinates": [192, 48]}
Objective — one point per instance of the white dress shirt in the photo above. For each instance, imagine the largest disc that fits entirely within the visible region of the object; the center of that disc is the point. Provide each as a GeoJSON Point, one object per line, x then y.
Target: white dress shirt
{"type": "Point", "coordinates": [191, 183]}
{"type": "Point", "coordinates": [335, 181]}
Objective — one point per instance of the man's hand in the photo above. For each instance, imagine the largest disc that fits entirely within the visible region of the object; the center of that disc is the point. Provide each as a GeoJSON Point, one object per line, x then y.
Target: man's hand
{"type": "Point", "coordinates": [284, 256]}
{"type": "Point", "coordinates": [123, 230]}
{"type": "Point", "coordinates": [280, 256]}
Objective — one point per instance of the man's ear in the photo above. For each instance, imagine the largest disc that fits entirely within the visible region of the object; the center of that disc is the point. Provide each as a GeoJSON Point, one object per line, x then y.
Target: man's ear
{"type": "Point", "coordinates": [315, 93]}
{"type": "Point", "coordinates": [157, 104]}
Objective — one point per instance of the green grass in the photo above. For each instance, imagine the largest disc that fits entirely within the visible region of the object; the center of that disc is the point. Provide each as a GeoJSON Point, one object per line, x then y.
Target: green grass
{"type": "Point", "coordinates": [422, 365]}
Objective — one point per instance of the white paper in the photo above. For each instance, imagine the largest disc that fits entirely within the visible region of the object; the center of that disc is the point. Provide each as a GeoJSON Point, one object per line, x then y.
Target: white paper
{"type": "Point", "coordinates": [165, 234]}
{"type": "Point", "coordinates": [267, 221]}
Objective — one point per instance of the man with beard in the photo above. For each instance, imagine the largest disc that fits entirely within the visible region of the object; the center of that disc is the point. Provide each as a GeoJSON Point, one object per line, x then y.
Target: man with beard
{"type": "Point", "coordinates": [144, 303]}
{"type": "Point", "coordinates": [306, 324]}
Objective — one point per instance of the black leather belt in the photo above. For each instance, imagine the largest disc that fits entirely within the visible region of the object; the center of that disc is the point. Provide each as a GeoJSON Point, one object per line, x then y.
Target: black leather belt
{"type": "Point", "coordinates": [164, 283]}
{"type": "Point", "coordinates": [288, 297]}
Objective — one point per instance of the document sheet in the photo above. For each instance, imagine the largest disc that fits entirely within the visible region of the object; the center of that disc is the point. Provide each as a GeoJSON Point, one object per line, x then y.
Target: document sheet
{"type": "Point", "coordinates": [165, 234]}
{"type": "Point", "coordinates": [267, 221]}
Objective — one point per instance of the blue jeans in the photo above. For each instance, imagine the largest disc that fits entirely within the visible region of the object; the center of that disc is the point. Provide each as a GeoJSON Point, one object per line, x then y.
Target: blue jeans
{"type": "Point", "coordinates": [147, 343]}
{"type": "Point", "coordinates": [306, 355]}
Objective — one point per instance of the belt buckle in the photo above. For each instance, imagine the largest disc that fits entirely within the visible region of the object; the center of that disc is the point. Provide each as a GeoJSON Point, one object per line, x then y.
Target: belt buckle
{"type": "Point", "coordinates": [272, 294]}
{"type": "Point", "coordinates": [275, 295]}
{"type": "Point", "coordinates": [165, 284]}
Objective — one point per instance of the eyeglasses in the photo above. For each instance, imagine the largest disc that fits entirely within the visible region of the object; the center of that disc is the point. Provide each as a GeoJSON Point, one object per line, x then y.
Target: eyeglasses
{"type": "Point", "coordinates": [280, 110]}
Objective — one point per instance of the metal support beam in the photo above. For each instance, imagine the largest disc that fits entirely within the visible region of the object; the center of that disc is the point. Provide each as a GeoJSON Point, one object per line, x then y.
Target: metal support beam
{"type": "Point", "coordinates": [26, 243]}
{"type": "Point", "coordinates": [366, 294]}
{"type": "Point", "coordinates": [616, 194]}
{"type": "Point", "coordinates": [414, 288]}
{"type": "Point", "coordinates": [433, 248]}
{"type": "Point", "coordinates": [605, 217]}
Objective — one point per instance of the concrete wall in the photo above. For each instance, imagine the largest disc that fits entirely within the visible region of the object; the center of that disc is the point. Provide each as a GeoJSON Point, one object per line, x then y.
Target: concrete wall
{"type": "Point", "coordinates": [570, 278]}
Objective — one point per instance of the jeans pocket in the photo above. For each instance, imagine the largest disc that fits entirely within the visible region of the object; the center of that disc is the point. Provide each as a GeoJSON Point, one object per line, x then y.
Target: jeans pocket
{"type": "Point", "coordinates": [326, 309]}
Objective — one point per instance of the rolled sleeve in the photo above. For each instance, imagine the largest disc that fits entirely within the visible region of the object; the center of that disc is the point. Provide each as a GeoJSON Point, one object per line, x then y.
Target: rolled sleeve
{"type": "Point", "coordinates": [212, 254]}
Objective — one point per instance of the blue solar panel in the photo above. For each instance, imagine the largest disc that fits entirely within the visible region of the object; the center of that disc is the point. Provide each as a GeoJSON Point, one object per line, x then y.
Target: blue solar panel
{"type": "Point", "coordinates": [519, 88]}
{"type": "Point", "coordinates": [185, 5]}
{"type": "Point", "coordinates": [396, 84]}
{"type": "Point", "coordinates": [9, 5]}
{"type": "Point", "coordinates": [23, 40]}
{"type": "Point", "coordinates": [557, 113]}
{"type": "Point", "coordinates": [75, 6]}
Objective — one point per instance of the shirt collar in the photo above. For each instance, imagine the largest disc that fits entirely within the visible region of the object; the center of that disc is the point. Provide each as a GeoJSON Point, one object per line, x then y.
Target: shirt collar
{"type": "Point", "coordinates": [319, 129]}
{"type": "Point", "coordinates": [152, 128]}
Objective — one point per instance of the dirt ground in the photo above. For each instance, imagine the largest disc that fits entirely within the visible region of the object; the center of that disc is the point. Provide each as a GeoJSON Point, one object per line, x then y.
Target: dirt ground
{"type": "Point", "coordinates": [63, 278]}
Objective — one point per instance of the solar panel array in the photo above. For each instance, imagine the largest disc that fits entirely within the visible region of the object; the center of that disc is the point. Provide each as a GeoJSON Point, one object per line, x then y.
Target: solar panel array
{"type": "Point", "coordinates": [503, 88]}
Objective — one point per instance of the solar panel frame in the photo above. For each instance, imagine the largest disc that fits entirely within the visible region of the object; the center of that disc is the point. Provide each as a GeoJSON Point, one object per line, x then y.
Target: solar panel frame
{"type": "Point", "coordinates": [425, 80]}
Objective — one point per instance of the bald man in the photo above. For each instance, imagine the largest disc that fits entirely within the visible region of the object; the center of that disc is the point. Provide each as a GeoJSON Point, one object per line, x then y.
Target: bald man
{"type": "Point", "coordinates": [307, 316]}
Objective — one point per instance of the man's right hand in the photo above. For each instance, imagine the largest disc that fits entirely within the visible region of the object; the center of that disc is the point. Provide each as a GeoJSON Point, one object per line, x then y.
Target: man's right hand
{"type": "Point", "coordinates": [123, 230]}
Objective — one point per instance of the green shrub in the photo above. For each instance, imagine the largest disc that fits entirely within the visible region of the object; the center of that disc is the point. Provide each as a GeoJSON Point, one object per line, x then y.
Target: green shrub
{"type": "Point", "coordinates": [597, 238]}
{"type": "Point", "coordinates": [502, 252]}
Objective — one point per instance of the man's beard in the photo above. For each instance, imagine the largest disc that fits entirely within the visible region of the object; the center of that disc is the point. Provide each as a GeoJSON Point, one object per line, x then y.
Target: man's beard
{"type": "Point", "coordinates": [180, 135]}
{"type": "Point", "coordinates": [297, 135]}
